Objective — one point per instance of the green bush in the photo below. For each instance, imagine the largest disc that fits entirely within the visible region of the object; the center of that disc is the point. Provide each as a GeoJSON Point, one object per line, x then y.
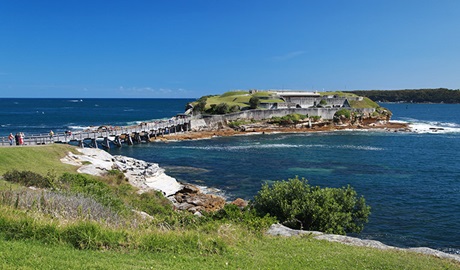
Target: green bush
{"type": "Point", "coordinates": [342, 112]}
{"type": "Point", "coordinates": [254, 102]}
{"type": "Point", "coordinates": [28, 178]}
{"type": "Point", "coordinates": [221, 108]}
{"type": "Point", "coordinates": [235, 108]}
{"type": "Point", "coordinates": [153, 203]}
{"type": "Point", "coordinates": [315, 118]}
{"type": "Point", "coordinates": [247, 216]}
{"type": "Point", "coordinates": [290, 119]}
{"type": "Point", "coordinates": [299, 205]}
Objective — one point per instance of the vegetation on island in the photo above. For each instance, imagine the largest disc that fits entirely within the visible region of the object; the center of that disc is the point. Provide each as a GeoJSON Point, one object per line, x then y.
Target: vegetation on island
{"type": "Point", "coordinates": [75, 221]}
{"type": "Point", "coordinates": [438, 95]}
{"type": "Point", "coordinates": [235, 101]}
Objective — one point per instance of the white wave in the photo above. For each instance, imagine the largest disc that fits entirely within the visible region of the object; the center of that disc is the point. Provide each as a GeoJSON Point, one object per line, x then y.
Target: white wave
{"type": "Point", "coordinates": [399, 122]}
{"type": "Point", "coordinates": [428, 126]}
{"type": "Point", "coordinates": [271, 146]}
{"type": "Point", "coordinates": [78, 128]}
{"type": "Point", "coordinates": [213, 191]}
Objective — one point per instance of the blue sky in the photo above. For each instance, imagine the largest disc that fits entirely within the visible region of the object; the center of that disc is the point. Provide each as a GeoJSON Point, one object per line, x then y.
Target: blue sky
{"type": "Point", "coordinates": [190, 48]}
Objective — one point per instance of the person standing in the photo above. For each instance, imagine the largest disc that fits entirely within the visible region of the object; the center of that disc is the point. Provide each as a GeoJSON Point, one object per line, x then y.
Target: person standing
{"type": "Point", "coordinates": [51, 135]}
{"type": "Point", "coordinates": [11, 139]}
{"type": "Point", "coordinates": [21, 138]}
{"type": "Point", "coordinates": [16, 138]}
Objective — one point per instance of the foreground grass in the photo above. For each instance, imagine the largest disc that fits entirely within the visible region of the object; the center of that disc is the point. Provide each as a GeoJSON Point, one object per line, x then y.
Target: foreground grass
{"type": "Point", "coordinates": [263, 253]}
{"type": "Point", "coordinates": [40, 159]}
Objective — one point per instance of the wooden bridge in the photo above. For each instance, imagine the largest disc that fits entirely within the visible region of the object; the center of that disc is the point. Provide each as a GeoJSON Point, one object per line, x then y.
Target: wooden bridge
{"type": "Point", "coordinates": [108, 136]}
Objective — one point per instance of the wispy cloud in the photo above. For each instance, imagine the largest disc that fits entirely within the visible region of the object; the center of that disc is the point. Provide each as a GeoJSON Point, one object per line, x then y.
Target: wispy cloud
{"type": "Point", "coordinates": [149, 91]}
{"type": "Point", "coordinates": [288, 56]}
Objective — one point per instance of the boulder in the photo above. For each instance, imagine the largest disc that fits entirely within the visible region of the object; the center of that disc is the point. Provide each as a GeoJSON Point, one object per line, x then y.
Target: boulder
{"type": "Point", "coordinates": [196, 201]}
{"type": "Point", "coordinates": [240, 203]}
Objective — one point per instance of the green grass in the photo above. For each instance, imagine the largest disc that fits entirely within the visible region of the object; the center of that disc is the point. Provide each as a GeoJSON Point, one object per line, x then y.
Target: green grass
{"type": "Point", "coordinates": [242, 101]}
{"type": "Point", "coordinates": [234, 93]}
{"type": "Point", "coordinates": [39, 159]}
{"type": "Point", "coordinates": [338, 93]}
{"type": "Point", "coordinates": [365, 103]}
{"type": "Point", "coordinates": [262, 253]}
{"type": "Point", "coordinates": [263, 94]}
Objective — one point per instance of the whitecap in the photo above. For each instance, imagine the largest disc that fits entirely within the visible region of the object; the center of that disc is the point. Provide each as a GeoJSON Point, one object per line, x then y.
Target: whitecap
{"type": "Point", "coordinates": [281, 145]}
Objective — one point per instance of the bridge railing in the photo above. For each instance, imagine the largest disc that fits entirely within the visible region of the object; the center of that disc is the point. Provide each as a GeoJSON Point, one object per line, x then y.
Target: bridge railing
{"type": "Point", "coordinates": [37, 139]}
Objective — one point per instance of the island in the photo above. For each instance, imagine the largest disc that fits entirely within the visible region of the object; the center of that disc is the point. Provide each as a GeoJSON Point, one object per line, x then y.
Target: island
{"type": "Point", "coordinates": [268, 111]}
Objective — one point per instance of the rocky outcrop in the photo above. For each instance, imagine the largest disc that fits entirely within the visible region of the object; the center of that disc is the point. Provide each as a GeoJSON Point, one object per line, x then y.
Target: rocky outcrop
{"type": "Point", "coordinates": [191, 198]}
{"type": "Point", "coordinates": [280, 230]}
{"type": "Point", "coordinates": [145, 176]}
{"type": "Point", "coordinates": [240, 203]}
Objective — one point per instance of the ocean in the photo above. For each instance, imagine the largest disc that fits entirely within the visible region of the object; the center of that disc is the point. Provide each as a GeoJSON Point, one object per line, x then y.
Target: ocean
{"type": "Point", "coordinates": [410, 179]}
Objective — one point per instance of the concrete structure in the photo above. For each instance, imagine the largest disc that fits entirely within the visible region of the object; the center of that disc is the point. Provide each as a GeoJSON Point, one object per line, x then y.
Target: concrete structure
{"type": "Point", "coordinates": [214, 121]}
{"type": "Point", "coordinates": [304, 99]}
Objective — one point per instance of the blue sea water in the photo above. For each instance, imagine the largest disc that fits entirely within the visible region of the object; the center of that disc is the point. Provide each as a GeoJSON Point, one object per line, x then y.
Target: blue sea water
{"type": "Point", "coordinates": [411, 180]}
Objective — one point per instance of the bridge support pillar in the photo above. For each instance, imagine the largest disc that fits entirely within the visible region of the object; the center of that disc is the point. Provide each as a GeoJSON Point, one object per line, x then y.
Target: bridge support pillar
{"type": "Point", "coordinates": [106, 142]}
{"type": "Point", "coordinates": [117, 141]}
{"type": "Point", "coordinates": [94, 143]}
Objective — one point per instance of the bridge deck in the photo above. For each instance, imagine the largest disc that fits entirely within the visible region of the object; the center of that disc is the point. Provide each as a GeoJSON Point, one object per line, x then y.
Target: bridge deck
{"type": "Point", "coordinates": [101, 133]}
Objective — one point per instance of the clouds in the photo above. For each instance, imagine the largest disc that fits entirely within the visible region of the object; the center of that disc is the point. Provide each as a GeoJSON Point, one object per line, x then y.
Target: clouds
{"type": "Point", "coordinates": [288, 56]}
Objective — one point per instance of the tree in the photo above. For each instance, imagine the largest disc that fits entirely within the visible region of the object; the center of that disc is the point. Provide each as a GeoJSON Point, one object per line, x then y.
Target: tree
{"type": "Point", "coordinates": [221, 108]}
{"type": "Point", "coordinates": [254, 102]}
{"type": "Point", "coordinates": [298, 205]}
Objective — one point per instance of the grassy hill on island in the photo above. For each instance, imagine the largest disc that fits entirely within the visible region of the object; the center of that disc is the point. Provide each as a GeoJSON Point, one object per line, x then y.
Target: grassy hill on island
{"type": "Point", "coordinates": [104, 232]}
{"type": "Point", "coordinates": [239, 100]}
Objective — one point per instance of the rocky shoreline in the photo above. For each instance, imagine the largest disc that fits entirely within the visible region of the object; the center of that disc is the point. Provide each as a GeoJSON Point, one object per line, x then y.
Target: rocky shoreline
{"type": "Point", "coordinates": [266, 128]}
{"type": "Point", "coordinates": [145, 176]}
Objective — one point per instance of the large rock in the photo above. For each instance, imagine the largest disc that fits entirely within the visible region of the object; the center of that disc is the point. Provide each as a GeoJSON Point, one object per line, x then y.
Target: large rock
{"type": "Point", "coordinates": [190, 198]}
{"type": "Point", "coordinates": [143, 175]}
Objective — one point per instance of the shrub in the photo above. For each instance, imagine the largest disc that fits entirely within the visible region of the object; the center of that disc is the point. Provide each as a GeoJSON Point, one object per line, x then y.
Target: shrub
{"type": "Point", "coordinates": [290, 119]}
{"type": "Point", "coordinates": [247, 216]}
{"type": "Point", "coordinates": [342, 112]}
{"type": "Point", "coordinates": [315, 118]}
{"type": "Point", "coordinates": [299, 205]}
{"type": "Point", "coordinates": [221, 108]}
{"type": "Point", "coordinates": [152, 202]}
{"type": "Point", "coordinates": [254, 102]}
{"type": "Point", "coordinates": [235, 108]}
{"type": "Point", "coordinates": [28, 178]}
